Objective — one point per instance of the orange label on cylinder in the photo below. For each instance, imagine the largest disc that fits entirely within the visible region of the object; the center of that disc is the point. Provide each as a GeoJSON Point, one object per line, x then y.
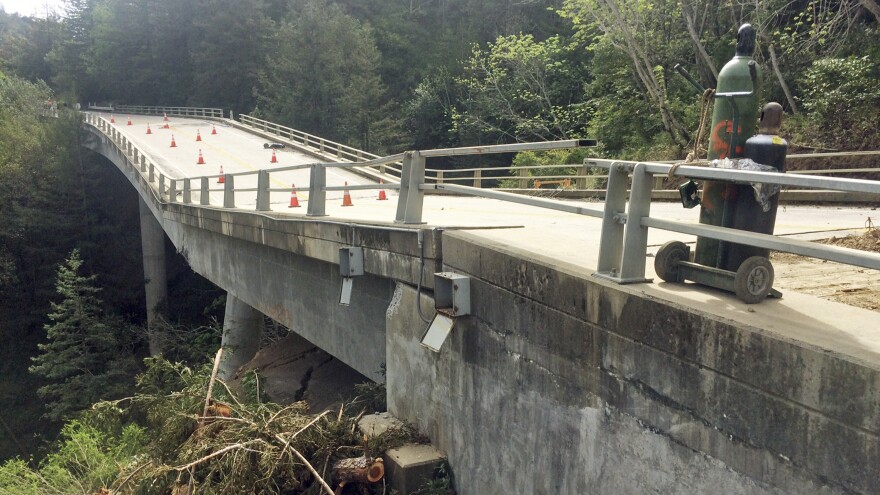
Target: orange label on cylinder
{"type": "Point", "coordinates": [721, 138]}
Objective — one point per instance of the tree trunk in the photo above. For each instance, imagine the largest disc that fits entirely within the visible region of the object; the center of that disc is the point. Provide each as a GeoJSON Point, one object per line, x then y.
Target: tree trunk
{"type": "Point", "coordinates": [695, 37]}
{"type": "Point", "coordinates": [775, 63]}
{"type": "Point", "coordinates": [872, 7]}
{"type": "Point", "coordinates": [644, 70]}
{"type": "Point", "coordinates": [358, 470]}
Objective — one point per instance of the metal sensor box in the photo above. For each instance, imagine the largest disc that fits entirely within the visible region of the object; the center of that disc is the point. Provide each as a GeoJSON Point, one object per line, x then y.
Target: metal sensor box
{"type": "Point", "coordinates": [351, 261]}
{"type": "Point", "coordinates": [452, 294]}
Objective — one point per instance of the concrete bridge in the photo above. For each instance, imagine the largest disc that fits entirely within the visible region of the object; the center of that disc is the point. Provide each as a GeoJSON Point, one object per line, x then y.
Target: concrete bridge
{"type": "Point", "coordinates": [555, 380]}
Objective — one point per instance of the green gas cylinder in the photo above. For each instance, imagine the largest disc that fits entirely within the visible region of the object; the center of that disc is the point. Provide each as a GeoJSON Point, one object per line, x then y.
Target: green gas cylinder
{"type": "Point", "coordinates": [734, 118]}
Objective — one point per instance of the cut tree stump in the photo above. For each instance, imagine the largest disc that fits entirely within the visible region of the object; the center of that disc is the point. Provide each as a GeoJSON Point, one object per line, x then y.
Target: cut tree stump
{"type": "Point", "coordinates": [357, 470]}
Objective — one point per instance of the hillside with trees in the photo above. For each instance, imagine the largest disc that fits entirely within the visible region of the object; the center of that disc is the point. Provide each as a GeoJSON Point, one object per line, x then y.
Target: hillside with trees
{"type": "Point", "coordinates": [380, 75]}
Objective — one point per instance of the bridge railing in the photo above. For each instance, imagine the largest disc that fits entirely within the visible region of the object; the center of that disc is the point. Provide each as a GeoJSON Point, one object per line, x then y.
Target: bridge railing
{"type": "Point", "coordinates": [625, 214]}
{"type": "Point", "coordinates": [139, 161]}
{"type": "Point", "coordinates": [339, 150]}
{"type": "Point", "coordinates": [215, 113]}
{"type": "Point", "coordinates": [626, 218]}
{"type": "Point", "coordinates": [560, 176]}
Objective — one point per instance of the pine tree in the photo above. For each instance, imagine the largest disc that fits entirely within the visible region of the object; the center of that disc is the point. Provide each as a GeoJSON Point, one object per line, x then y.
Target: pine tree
{"type": "Point", "coordinates": [85, 359]}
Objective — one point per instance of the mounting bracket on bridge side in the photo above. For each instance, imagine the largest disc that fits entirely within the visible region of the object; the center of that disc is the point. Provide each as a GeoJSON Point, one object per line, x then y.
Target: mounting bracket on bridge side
{"type": "Point", "coordinates": [351, 264]}
{"type": "Point", "coordinates": [452, 299]}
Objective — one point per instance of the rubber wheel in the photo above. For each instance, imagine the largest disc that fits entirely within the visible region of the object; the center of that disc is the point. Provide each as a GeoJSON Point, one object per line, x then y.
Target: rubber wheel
{"type": "Point", "coordinates": [753, 280]}
{"type": "Point", "coordinates": [666, 261]}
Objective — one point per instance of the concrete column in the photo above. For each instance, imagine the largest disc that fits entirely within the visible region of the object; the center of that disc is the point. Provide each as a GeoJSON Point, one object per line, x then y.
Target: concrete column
{"type": "Point", "coordinates": [242, 331]}
{"type": "Point", "coordinates": [155, 279]}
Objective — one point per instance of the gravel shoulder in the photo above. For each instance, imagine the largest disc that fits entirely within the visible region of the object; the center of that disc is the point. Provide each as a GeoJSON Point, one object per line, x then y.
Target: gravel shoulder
{"type": "Point", "coordinates": [855, 286]}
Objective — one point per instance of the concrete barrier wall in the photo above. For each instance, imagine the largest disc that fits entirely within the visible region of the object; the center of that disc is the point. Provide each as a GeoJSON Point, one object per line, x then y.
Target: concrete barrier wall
{"type": "Point", "coordinates": [561, 383]}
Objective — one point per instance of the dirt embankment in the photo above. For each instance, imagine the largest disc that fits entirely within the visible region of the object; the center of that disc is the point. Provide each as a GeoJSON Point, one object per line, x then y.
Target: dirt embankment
{"type": "Point", "coordinates": [847, 284]}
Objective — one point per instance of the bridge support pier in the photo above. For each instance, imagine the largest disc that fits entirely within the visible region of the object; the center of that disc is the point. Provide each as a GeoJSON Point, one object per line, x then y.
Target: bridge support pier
{"type": "Point", "coordinates": [242, 331]}
{"type": "Point", "coordinates": [155, 278]}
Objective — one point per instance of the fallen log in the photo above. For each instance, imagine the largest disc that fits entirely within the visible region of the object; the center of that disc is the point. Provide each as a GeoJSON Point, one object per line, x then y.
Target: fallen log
{"type": "Point", "coordinates": [357, 470]}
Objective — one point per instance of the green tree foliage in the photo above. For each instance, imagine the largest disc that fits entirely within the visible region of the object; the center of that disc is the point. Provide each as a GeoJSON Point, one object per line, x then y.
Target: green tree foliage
{"type": "Point", "coordinates": [554, 165]}
{"type": "Point", "coordinates": [24, 43]}
{"type": "Point", "coordinates": [87, 458]}
{"type": "Point", "coordinates": [229, 46]}
{"type": "Point", "coordinates": [34, 235]}
{"type": "Point", "coordinates": [842, 97]}
{"type": "Point", "coordinates": [140, 51]}
{"type": "Point", "coordinates": [521, 90]}
{"type": "Point", "coordinates": [323, 74]}
{"type": "Point", "coordinates": [640, 30]}
{"type": "Point", "coordinates": [71, 55]}
{"type": "Point", "coordinates": [88, 355]}
{"type": "Point", "coordinates": [159, 441]}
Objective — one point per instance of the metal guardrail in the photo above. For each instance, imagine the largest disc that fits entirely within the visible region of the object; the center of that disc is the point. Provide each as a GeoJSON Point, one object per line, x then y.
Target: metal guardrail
{"type": "Point", "coordinates": [215, 113]}
{"type": "Point", "coordinates": [341, 151]}
{"type": "Point", "coordinates": [624, 241]}
{"type": "Point", "coordinates": [580, 176]}
{"type": "Point", "coordinates": [625, 215]}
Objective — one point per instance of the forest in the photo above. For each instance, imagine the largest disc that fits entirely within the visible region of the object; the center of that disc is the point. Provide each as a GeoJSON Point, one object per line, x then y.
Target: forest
{"type": "Point", "coordinates": [381, 75]}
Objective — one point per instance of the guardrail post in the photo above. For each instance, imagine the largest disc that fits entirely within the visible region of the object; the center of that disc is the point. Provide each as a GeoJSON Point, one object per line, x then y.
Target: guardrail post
{"type": "Point", "coordinates": [611, 239]}
{"type": "Point", "coordinates": [321, 144]}
{"type": "Point", "coordinates": [658, 182]}
{"type": "Point", "coordinates": [263, 191]}
{"type": "Point", "coordinates": [152, 176]}
{"type": "Point", "coordinates": [581, 182]}
{"type": "Point", "coordinates": [523, 174]}
{"type": "Point", "coordinates": [229, 191]}
{"type": "Point", "coordinates": [317, 194]}
{"type": "Point", "coordinates": [478, 179]}
{"type": "Point", "coordinates": [143, 163]}
{"type": "Point", "coordinates": [635, 237]}
{"type": "Point", "coordinates": [187, 191]}
{"type": "Point", "coordinates": [411, 197]}
{"type": "Point", "coordinates": [305, 140]}
{"type": "Point", "coordinates": [338, 152]}
{"type": "Point", "coordinates": [204, 192]}
{"type": "Point", "coordinates": [172, 191]}
{"type": "Point", "coordinates": [161, 185]}
{"type": "Point", "coordinates": [440, 177]}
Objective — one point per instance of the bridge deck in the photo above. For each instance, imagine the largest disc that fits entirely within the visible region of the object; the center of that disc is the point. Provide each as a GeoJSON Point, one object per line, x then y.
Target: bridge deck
{"type": "Point", "coordinates": [553, 238]}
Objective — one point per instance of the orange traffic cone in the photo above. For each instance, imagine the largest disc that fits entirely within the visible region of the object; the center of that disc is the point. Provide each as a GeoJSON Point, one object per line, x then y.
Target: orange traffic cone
{"type": "Point", "coordinates": [129, 120]}
{"type": "Point", "coordinates": [112, 119]}
{"type": "Point", "coordinates": [173, 144]}
{"type": "Point", "coordinates": [166, 126]}
{"type": "Point", "coordinates": [149, 131]}
{"type": "Point", "coordinates": [346, 198]}
{"type": "Point", "coordinates": [274, 158]}
{"type": "Point", "coordinates": [382, 196]}
{"type": "Point", "coordinates": [294, 202]}
{"type": "Point", "coordinates": [198, 135]}
{"type": "Point", "coordinates": [201, 159]}
{"type": "Point", "coordinates": [213, 130]}
{"type": "Point", "coordinates": [222, 178]}
{"type": "Point", "coordinates": [166, 117]}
